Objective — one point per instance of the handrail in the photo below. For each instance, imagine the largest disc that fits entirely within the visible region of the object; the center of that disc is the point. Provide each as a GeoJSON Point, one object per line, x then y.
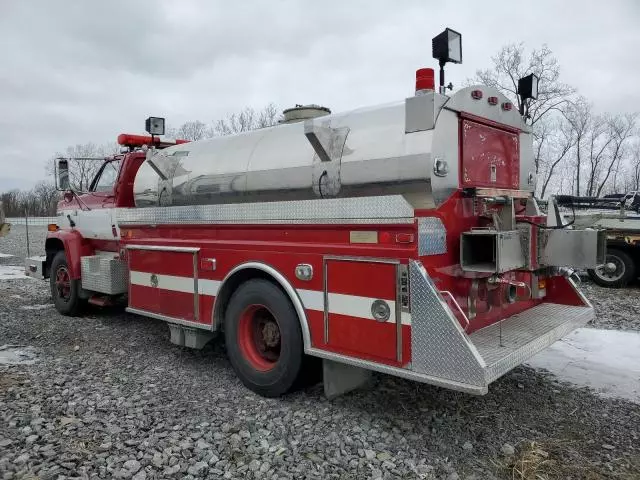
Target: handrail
{"type": "Point", "coordinates": [455, 302]}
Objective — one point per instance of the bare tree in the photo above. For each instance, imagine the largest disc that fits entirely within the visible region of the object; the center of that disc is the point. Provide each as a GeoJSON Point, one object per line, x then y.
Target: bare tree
{"type": "Point", "coordinates": [86, 161]}
{"type": "Point", "coordinates": [579, 116]}
{"type": "Point", "coordinates": [621, 130]}
{"type": "Point", "coordinates": [555, 140]}
{"type": "Point", "coordinates": [192, 130]}
{"type": "Point", "coordinates": [511, 63]}
{"type": "Point", "coordinates": [247, 119]}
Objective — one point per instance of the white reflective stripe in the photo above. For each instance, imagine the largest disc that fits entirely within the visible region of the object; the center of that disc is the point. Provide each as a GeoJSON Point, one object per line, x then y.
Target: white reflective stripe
{"type": "Point", "coordinates": [348, 305]}
{"type": "Point", "coordinates": [175, 283]}
{"type": "Point", "coordinates": [339, 304]}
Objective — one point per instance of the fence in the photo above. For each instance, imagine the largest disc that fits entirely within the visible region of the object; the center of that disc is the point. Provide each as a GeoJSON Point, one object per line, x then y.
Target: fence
{"type": "Point", "coordinates": [33, 221]}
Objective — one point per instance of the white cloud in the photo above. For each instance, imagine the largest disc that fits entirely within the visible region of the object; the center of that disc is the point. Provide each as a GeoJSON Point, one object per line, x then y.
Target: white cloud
{"type": "Point", "coordinates": [75, 72]}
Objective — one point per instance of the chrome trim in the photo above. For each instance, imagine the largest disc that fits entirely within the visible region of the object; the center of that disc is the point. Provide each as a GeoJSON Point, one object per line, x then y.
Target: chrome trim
{"type": "Point", "coordinates": [196, 294]}
{"type": "Point", "coordinates": [399, 313]}
{"type": "Point", "coordinates": [399, 372]}
{"type": "Point", "coordinates": [160, 248]}
{"type": "Point", "coordinates": [325, 293]}
{"type": "Point", "coordinates": [179, 321]}
{"type": "Point", "coordinates": [457, 305]}
{"type": "Point", "coordinates": [284, 283]}
{"type": "Point", "coordinates": [347, 258]}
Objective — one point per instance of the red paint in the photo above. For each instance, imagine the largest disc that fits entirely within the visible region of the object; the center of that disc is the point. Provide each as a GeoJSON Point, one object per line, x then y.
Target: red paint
{"type": "Point", "coordinates": [361, 336]}
{"type": "Point", "coordinates": [75, 247]}
{"type": "Point", "coordinates": [130, 140]}
{"type": "Point", "coordinates": [255, 348]}
{"type": "Point", "coordinates": [362, 279]}
{"type": "Point", "coordinates": [490, 157]}
{"type": "Point", "coordinates": [425, 79]}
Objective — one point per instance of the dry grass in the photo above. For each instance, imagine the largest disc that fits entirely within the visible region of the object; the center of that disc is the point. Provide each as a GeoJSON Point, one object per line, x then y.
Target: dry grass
{"type": "Point", "coordinates": [537, 461]}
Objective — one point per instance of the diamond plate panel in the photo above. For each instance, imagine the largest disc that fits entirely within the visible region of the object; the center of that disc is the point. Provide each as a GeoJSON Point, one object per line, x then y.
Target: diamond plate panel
{"type": "Point", "coordinates": [439, 347]}
{"type": "Point", "coordinates": [432, 236]}
{"type": "Point", "coordinates": [507, 345]}
{"type": "Point", "coordinates": [104, 274]}
{"type": "Point", "coordinates": [383, 209]}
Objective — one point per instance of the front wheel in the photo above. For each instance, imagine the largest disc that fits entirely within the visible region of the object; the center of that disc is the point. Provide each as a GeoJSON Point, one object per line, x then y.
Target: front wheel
{"type": "Point", "coordinates": [64, 290]}
{"type": "Point", "coordinates": [618, 270]}
{"type": "Point", "coordinates": [263, 338]}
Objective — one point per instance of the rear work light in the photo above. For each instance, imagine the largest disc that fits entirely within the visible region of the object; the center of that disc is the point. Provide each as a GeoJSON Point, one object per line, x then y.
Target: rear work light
{"type": "Point", "coordinates": [492, 100]}
{"type": "Point", "coordinates": [476, 94]}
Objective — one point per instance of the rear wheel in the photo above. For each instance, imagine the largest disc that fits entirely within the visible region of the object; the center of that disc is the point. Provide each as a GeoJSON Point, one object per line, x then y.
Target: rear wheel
{"type": "Point", "coordinates": [263, 338]}
{"type": "Point", "coordinates": [64, 290]}
{"type": "Point", "coordinates": [618, 269]}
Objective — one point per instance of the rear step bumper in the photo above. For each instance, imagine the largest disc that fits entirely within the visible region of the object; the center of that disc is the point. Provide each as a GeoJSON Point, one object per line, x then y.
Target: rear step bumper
{"type": "Point", "coordinates": [511, 342]}
{"type": "Point", "coordinates": [444, 354]}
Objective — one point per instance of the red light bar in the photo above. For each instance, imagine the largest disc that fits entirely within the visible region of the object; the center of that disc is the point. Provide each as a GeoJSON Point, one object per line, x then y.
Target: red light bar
{"type": "Point", "coordinates": [476, 94]}
{"type": "Point", "coordinates": [492, 100]}
{"type": "Point", "coordinates": [129, 140]}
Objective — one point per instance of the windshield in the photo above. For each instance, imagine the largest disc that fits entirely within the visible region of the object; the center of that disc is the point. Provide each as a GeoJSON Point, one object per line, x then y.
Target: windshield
{"type": "Point", "coordinates": [108, 177]}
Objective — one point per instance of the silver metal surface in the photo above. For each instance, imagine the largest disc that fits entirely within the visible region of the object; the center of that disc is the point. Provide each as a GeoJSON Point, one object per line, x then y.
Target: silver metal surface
{"type": "Point", "coordinates": [381, 209]}
{"type": "Point", "coordinates": [402, 289]}
{"type": "Point", "coordinates": [104, 274]}
{"type": "Point", "coordinates": [196, 293]}
{"type": "Point", "coordinates": [166, 318]}
{"type": "Point", "coordinates": [439, 346]}
{"type": "Point", "coordinates": [339, 378]}
{"type": "Point", "coordinates": [571, 248]}
{"type": "Point", "coordinates": [304, 271]}
{"type": "Point", "coordinates": [420, 113]}
{"type": "Point", "coordinates": [491, 251]}
{"type": "Point", "coordinates": [164, 248]}
{"type": "Point", "coordinates": [432, 236]}
{"type": "Point", "coordinates": [282, 281]}
{"type": "Point", "coordinates": [278, 163]}
{"type": "Point", "coordinates": [511, 342]}
{"type": "Point", "coordinates": [398, 372]}
{"type": "Point", "coordinates": [445, 148]}
{"type": "Point", "coordinates": [448, 294]}
{"type": "Point", "coordinates": [35, 267]}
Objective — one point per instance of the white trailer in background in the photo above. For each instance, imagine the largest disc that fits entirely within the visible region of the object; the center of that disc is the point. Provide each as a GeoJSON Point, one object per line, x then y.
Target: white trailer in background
{"type": "Point", "coordinates": [4, 226]}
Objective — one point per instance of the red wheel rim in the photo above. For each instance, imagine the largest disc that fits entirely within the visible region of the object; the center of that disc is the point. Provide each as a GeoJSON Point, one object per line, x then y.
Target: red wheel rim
{"type": "Point", "coordinates": [259, 337]}
{"type": "Point", "coordinates": [63, 283]}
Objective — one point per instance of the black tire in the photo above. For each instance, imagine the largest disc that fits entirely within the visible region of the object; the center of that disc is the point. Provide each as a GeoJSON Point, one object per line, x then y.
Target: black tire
{"type": "Point", "coordinates": [65, 298]}
{"type": "Point", "coordinates": [266, 362]}
{"type": "Point", "coordinates": [625, 270]}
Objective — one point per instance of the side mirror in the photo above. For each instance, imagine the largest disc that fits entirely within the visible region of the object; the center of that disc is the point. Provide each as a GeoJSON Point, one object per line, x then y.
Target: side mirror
{"type": "Point", "coordinates": [62, 174]}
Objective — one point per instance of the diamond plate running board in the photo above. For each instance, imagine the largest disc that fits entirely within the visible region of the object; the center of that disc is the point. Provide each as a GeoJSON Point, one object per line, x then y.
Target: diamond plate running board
{"type": "Point", "coordinates": [507, 344]}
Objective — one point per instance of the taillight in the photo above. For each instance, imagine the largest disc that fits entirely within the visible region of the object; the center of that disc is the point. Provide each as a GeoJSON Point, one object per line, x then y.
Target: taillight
{"type": "Point", "coordinates": [492, 100]}
{"type": "Point", "coordinates": [507, 106]}
{"type": "Point", "coordinates": [476, 94]}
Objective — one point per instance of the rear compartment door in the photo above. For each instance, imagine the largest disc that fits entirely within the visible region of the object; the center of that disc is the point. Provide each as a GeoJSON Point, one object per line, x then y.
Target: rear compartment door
{"type": "Point", "coordinates": [490, 155]}
{"type": "Point", "coordinates": [352, 286]}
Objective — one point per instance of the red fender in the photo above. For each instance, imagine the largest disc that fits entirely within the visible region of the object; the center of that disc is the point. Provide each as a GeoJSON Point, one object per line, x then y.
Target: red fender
{"type": "Point", "coordinates": [75, 246]}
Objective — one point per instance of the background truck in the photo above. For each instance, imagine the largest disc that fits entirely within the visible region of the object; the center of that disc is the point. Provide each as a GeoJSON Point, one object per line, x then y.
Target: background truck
{"type": "Point", "coordinates": [402, 238]}
{"type": "Point", "coordinates": [618, 215]}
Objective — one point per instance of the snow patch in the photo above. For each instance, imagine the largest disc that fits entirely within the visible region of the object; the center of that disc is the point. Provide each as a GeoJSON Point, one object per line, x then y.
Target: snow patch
{"type": "Point", "coordinates": [607, 361]}
{"type": "Point", "coordinates": [17, 355]}
{"type": "Point", "coordinates": [11, 272]}
{"type": "Point", "coordinates": [5, 255]}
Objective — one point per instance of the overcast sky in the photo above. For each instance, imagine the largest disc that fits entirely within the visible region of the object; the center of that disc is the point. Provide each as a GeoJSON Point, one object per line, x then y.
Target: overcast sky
{"type": "Point", "coordinates": [84, 71]}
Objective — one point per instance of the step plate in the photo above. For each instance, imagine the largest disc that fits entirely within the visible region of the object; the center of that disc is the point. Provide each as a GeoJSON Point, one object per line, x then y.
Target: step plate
{"type": "Point", "coordinates": [509, 343]}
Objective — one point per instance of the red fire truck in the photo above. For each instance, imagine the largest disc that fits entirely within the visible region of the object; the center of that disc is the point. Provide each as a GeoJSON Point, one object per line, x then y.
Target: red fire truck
{"type": "Point", "coordinates": [402, 238]}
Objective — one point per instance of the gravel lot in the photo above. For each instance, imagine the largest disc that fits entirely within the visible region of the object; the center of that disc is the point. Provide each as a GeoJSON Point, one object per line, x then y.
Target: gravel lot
{"type": "Point", "coordinates": [110, 397]}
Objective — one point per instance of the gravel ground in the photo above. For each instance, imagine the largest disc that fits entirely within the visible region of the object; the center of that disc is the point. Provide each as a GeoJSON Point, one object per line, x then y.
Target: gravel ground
{"type": "Point", "coordinates": [110, 397]}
